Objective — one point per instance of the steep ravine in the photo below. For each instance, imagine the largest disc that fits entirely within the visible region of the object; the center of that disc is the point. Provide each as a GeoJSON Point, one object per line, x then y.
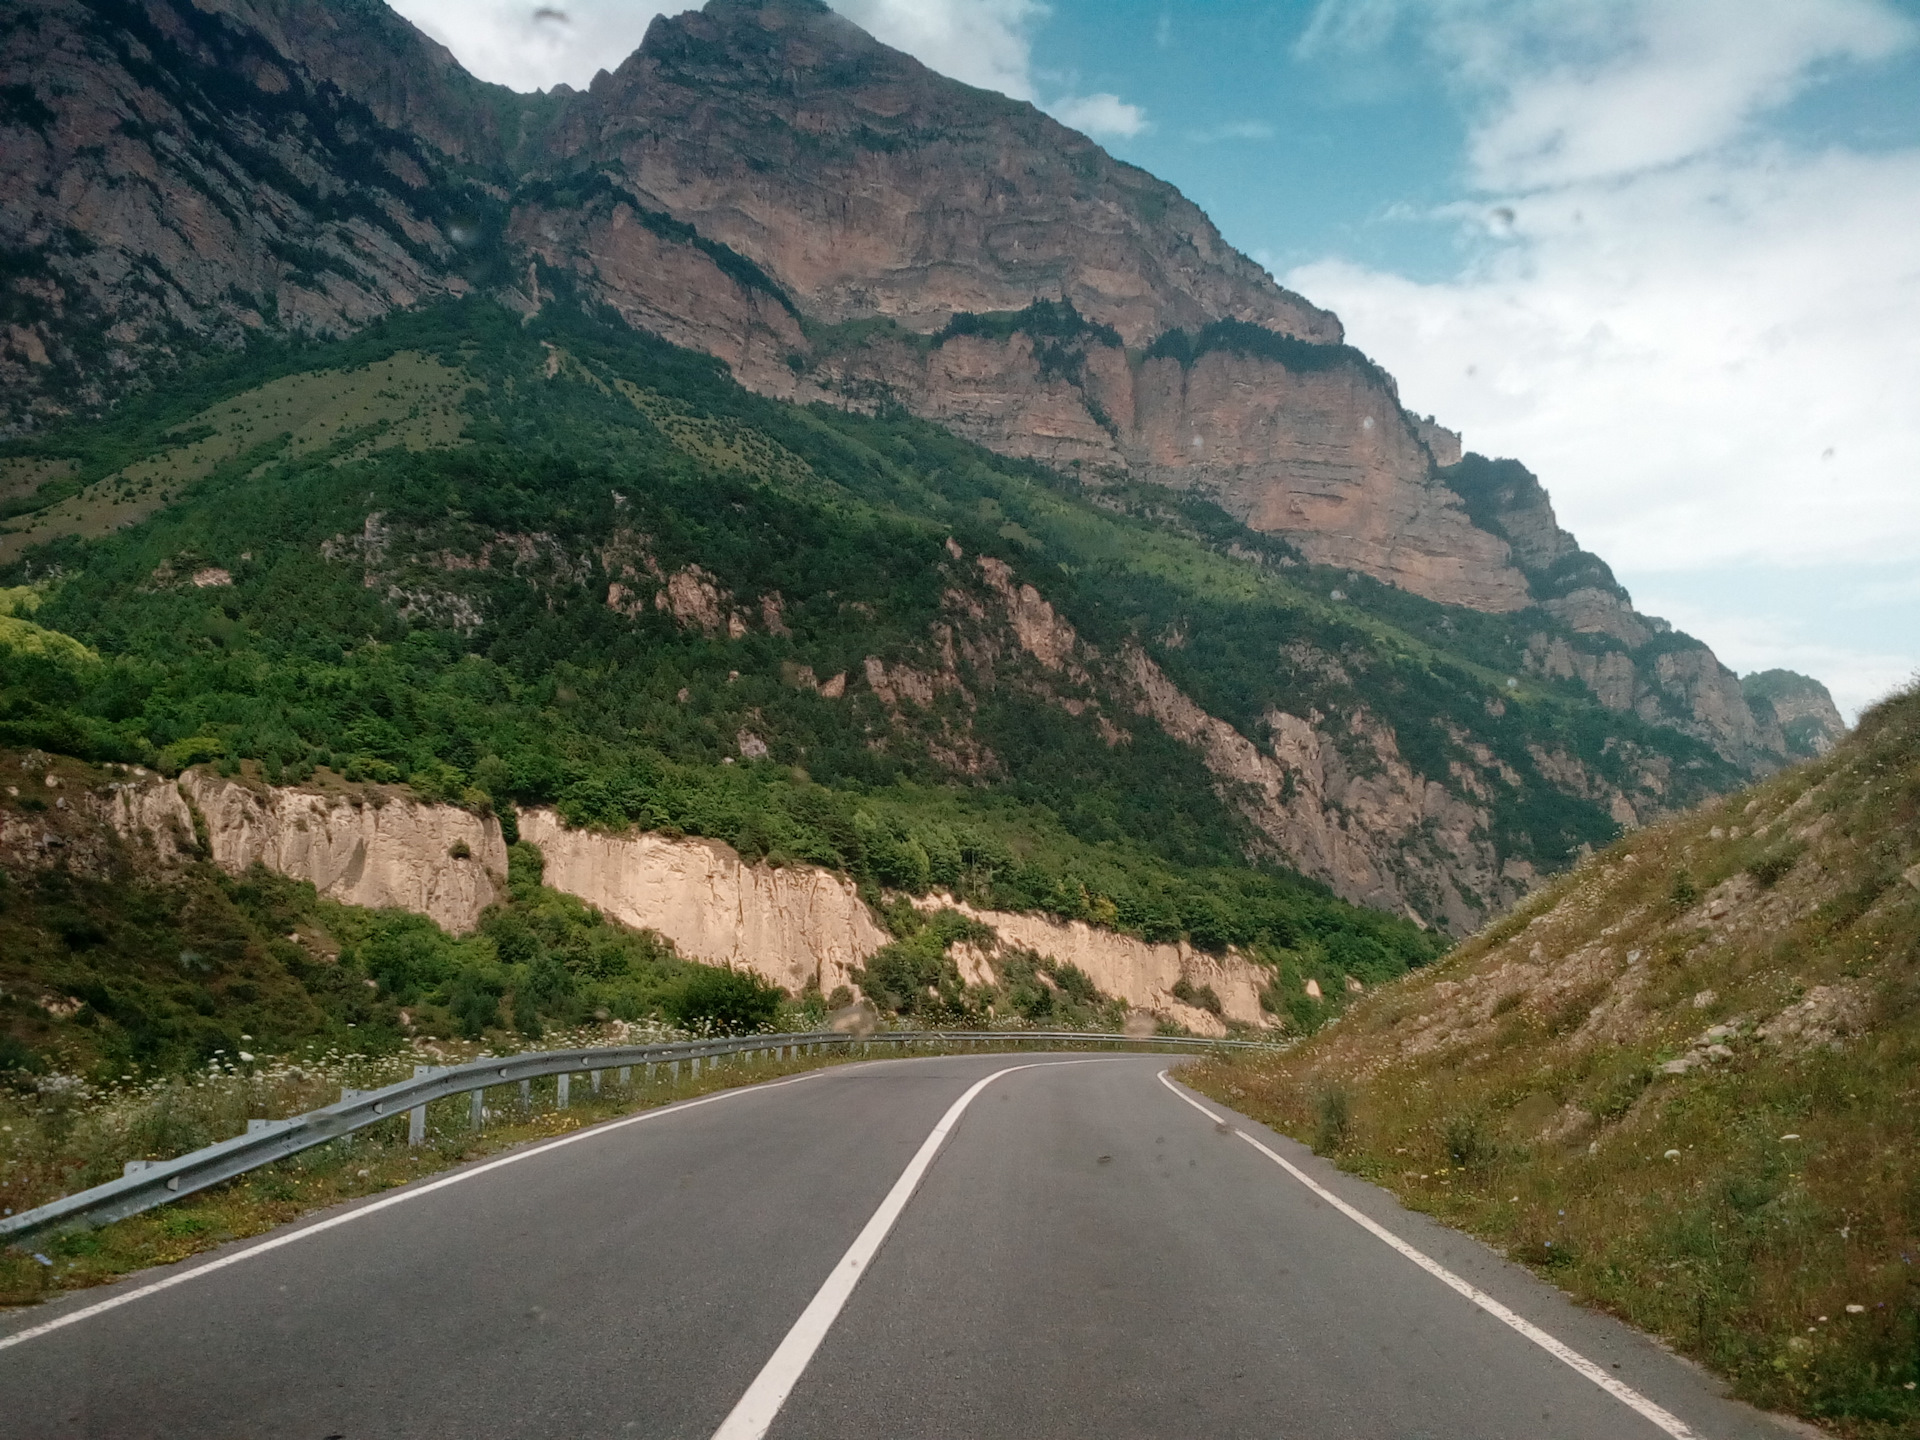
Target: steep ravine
{"type": "Point", "coordinates": [796, 925]}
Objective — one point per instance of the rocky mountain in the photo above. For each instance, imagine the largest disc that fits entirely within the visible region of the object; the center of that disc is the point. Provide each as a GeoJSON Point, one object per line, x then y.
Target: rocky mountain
{"type": "Point", "coordinates": [766, 184]}
{"type": "Point", "coordinates": [1680, 1082]}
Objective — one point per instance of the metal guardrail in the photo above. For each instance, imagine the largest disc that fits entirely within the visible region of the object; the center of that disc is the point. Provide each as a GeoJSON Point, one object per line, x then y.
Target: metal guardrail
{"type": "Point", "coordinates": [149, 1184]}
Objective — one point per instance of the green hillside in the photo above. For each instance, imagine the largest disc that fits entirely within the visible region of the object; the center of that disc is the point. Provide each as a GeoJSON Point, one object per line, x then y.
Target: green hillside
{"type": "Point", "coordinates": [553, 561]}
{"type": "Point", "coordinates": [1683, 1083]}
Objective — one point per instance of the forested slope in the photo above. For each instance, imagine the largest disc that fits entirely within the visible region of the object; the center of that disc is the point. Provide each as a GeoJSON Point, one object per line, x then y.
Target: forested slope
{"type": "Point", "coordinates": [559, 561]}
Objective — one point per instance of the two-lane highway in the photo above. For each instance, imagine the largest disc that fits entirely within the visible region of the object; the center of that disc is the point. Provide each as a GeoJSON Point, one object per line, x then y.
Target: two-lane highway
{"type": "Point", "coordinates": [1084, 1251]}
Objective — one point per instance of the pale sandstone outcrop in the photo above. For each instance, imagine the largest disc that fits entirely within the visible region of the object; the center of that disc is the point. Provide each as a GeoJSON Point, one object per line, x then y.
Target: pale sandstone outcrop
{"type": "Point", "coordinates": [152, 814]}
{"type": "Point", "coordinates": [1137, 971]}
{"type": "Point", "coordinates": [797, 925]}
{"type": "Point", "coordinates": [400, 854]}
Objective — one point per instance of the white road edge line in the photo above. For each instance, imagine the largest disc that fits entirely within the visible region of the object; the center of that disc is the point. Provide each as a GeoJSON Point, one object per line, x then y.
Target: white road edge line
{"type": "Point", "coordinates": [751, 1418]}
{"type": "Point", "coordinates": [412, 1192]}
{"type": "Point", "coordinates": [1568, 1356]}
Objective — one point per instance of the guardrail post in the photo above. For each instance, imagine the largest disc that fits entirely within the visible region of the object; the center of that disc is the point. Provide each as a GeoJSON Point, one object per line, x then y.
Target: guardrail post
{"type": "Point", "coordinates": [673, 1072]}
{"type": "Point", "coordinates": [562, 1089]}
{"type": "Point", "coordinates": [696, 1067]}
{"type": "Point", "coordinates": [477, 1109]}
{"type": "Point", "coordinates": [626, 1077]}
{"type": "Point", "coordinates": [417, 1116]}
{"type": "Point", "coordinates": [526, 1094]}
{"type": "Point", "coordinates": [593, 1078]}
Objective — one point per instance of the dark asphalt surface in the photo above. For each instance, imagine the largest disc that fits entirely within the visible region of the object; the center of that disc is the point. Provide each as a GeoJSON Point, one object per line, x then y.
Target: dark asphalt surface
{"type": "Point", "coordinates": [1088, 1256]}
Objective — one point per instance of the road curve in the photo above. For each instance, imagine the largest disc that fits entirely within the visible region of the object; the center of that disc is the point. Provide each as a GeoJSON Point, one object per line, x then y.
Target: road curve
{"type": "Point", "coordinates": [1086, 1254]}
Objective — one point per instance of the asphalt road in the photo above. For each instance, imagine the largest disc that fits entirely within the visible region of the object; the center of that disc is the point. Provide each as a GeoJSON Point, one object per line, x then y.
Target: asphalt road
{"type": "Point", "coordinates": [1086, 1255]}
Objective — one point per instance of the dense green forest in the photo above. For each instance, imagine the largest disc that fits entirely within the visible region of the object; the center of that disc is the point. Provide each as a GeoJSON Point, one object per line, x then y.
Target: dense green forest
{"type": "Point", "coordinates": [459, 580]}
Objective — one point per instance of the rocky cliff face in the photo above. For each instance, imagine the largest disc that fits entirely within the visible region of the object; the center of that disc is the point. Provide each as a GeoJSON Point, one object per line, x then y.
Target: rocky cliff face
{"type": "Point", "coordinates": [1143, 974]}
{"type": "Point", "coordinates": [1331, 796]}
{"type": "Point", "coordinates": [801, 926]}
{"type": "Point", "coordinates": [378, 849]}
{"type": "Point", "coordinates": [870, 186]}
{"type": "Point", "coordinates": [764, 182]}
{"type": "Point", "coordinates": [182, 176]}
{"type": "Point", "coordinates": [1799, 710]}
{"type": "Point", "coordinates": [797, 926]}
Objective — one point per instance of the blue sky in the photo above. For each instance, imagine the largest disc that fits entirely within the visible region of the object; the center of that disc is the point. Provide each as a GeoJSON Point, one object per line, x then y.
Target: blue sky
{"type": "Point", "coordinates": [1667, 252]}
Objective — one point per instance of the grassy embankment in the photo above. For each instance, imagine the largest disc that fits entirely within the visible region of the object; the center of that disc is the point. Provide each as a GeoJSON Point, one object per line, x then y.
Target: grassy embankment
{"type": "Point", "coordinates": [1683, 1084]}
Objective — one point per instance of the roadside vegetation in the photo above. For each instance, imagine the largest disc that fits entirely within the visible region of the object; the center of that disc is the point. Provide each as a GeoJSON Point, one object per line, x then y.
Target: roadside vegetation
{"type": "Point", "coordinates": [54, 1143]}
{"type": "Point", "coordinates": [1682, 1084]}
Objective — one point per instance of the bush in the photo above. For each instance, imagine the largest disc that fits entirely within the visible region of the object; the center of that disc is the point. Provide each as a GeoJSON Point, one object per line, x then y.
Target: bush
{"type": "Point", "coordinates": [1333, 1121]}
{"type": "Point", "coordinates": [724, 1002]}
{"type": "Point", "coordinates": [1202, 997]}
{"type": "Point", "coordinates": [15, 1055]}
{"type": "Point", "coordinates": [1773, 867]}
{"type": "Point", "coordinates": [1466, 1142]}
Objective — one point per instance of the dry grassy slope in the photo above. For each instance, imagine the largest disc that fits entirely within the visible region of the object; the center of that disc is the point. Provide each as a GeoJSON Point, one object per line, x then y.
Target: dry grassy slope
{"type": "Point", "coordinates": [1684, 1081]}
{"type": "Point", "coordinates": [408, 399]}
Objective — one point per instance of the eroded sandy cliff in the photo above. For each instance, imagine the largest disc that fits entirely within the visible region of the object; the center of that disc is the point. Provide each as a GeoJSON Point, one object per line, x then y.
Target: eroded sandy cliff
{"type": "Point", "coordinates": [376, 849]}
{"type": "Point", "coordinates": [797, 926]}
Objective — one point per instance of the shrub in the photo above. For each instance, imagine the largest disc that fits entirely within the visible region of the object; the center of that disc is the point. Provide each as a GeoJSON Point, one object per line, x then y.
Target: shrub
{"type": "Point", "coordinates": [15, 1055]}
{"type": "Point", "coordinates": [725, 1002]}
{"type": "Point", "coordinates": [1774, 866]}
{"type": "Point", "coordinates": [1200, 996]}
{"type": "Point", "coordinates": [1333, 1120]}
{"type": "Point", "coordinates": [1467, 1143]}
{"type": "Point", "coordinates": [1684, 893]}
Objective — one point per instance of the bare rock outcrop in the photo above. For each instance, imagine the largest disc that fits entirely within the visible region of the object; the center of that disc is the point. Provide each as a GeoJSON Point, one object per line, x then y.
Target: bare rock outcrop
{"type": "Point", "coordinates": [1137, 971]}
{"type": "Point", "coordinates": [796, 926]}
{"type": "Point", "coordinates": [866, 184]}
{"type": "Point", "coordinates": [153, 815]}
{"type": "Point", "coordinates": [381, 851]}
{"type": "Point", "coordinates": [799, 925]}
{"type": "Point", "coordinates": [166, 179]}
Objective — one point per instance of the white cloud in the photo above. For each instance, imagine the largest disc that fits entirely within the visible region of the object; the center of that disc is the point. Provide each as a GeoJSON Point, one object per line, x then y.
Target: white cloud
{"type": "Point", "coordinates": [983, 42]}
{"type": "Point", "coordinates": [1700, 337]}
{"type": "Point", "coordinates": [1099, 115]}
{"type": "Point", "coordinates": [988, 43]}
{"type": "Point", "coordinates": [1232, 130]}
{"type": "Point", "coordinates": [1677, 356]}
{"type": "Point", "coordinates": [1647, 82]}
{"type": "Point", "coordinates": [534, 46]}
